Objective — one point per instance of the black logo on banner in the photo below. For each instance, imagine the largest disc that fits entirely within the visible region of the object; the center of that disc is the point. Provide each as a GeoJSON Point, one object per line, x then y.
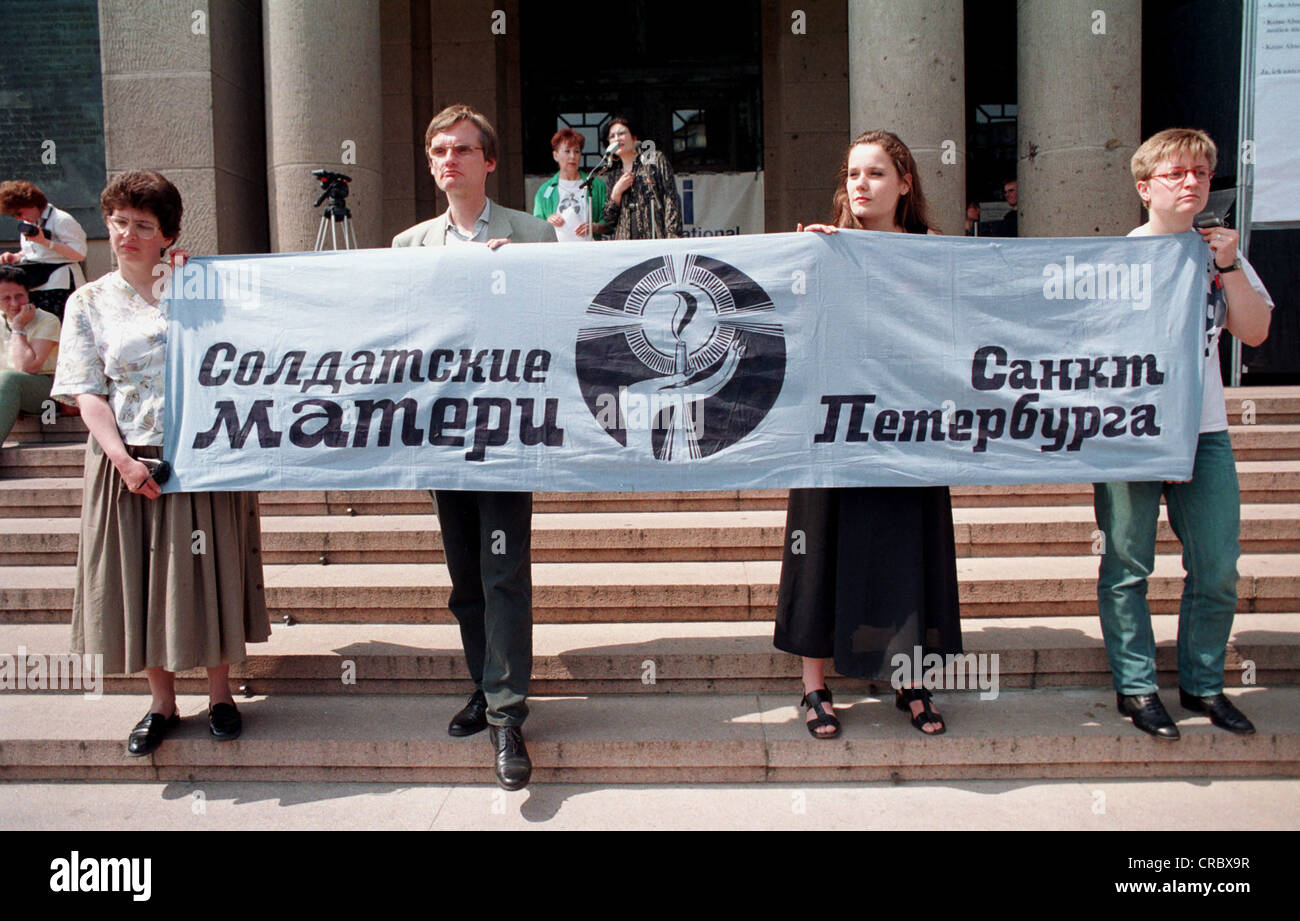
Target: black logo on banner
{"type": "Point", "coordinates": [682, 357]}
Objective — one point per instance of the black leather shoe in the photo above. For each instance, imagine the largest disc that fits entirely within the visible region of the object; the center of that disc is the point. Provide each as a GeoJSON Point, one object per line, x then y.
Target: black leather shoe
{"type": "Point", "coordinates": [512, 767]}
{"type": "Point", "coordinates": [1223, 713]}
{"type": "Point", "coordinates": [149, 733]}
{"type": "Point", "coordinates": [472, 717]}
{"type": "Point", "coordinates": [1148, 714]}
{"type": "Point", "coordinates": [224, 722]}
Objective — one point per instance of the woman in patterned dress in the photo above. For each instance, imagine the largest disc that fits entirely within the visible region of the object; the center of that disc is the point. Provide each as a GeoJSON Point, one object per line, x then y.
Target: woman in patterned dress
{"type": "Point", "coordinates": [164, 583]}
{"type": "Point", "coordinates": [643, 203]}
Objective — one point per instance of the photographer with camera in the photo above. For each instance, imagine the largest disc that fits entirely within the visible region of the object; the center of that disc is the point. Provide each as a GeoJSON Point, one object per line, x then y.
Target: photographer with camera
{"type": "Point", "coordinates": [52, 249]}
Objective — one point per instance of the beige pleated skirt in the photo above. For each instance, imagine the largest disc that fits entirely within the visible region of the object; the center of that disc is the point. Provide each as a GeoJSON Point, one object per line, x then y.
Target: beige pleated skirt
{"type": "Point", "coordinates": [173, 582]}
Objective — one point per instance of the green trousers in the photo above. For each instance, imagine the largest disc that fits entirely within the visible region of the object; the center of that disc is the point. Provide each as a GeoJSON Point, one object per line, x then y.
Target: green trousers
{"type": "Point", "coordinates": [21, 391]}
{"type": "Point", "coordinates": [1205, 514]}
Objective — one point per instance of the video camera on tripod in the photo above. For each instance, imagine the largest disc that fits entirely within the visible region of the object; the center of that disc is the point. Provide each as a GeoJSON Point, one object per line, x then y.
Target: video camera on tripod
{"type": "Point", "coordinates": [334, 186]}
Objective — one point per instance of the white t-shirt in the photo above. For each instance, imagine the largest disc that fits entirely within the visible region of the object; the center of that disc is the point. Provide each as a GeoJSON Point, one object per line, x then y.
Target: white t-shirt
{"type": "Point", "coordinates": [60, 227]}
{"type": "Point", "coordinates": [574, 207]}
{"type": "Point", "coordinates": [1214, 412]}
{"type": "Point", "coordinates": [41, 326]}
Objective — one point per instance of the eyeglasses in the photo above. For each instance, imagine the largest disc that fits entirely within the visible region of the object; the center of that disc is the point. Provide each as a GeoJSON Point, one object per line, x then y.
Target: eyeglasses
{"type": "Point", "coordinates": [1178, 175]}
{"type": "Point", "coordinates": [460, 150]}
{"type": "Point", "coordinates": [142, 230]}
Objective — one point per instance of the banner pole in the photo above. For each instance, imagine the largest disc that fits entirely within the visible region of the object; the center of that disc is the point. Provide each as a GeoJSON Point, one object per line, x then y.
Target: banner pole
{"type": "Point", "coordinates": [1245, 150]}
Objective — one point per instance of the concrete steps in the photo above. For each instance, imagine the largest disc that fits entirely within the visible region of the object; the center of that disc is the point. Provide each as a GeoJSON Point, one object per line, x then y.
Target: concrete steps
{"type": "Point", "coordinates": [643, 592]}
{"type": "Point", "coordinates": [661, 658]}
{"type": "Point", "coordinates": [646, 536]}
{"type": "Point", "coordinates": [1249, 443]}
{"type": "Point", "coordinates": [654, 660]}
{"type": "Point", "coordinates": [60, 497]}
{"type": "Point", "coordinates": [715, 738]}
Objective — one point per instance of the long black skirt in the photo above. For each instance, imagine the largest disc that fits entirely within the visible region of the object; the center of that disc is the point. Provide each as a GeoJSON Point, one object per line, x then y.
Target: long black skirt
{"type": "Point", "coordinates": [877, 576]}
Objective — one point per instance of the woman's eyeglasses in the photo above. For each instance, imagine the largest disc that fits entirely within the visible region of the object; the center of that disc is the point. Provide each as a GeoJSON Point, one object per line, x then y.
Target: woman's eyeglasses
{"type": "Point", "coordinates": [142, 230]}
{"type": "Point", "coordinates": [1178, 176]}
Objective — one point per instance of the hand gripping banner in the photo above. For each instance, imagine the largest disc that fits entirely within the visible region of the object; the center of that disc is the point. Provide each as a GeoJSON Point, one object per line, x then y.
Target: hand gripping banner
{"type": "Point", "coordinates": [765, 361]}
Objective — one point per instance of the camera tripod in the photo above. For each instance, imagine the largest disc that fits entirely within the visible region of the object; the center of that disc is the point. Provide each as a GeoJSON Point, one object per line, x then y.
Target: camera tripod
{"type": "Point", "coordinates": [334, 187]}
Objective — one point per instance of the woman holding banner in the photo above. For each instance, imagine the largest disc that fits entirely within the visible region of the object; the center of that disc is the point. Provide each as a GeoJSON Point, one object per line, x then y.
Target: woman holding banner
{"type": "Point", "coordinates": [1172, 171]}
{"type": "Point", "coordinates": [869, 575]}
{"type": "Point", "coordinates": [164, 583]}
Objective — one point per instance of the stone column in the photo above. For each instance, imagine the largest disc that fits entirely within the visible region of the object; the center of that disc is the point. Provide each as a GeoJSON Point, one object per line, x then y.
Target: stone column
{"type": "Point", "coordinates": [475, 61]}
{"type": "Point", "coordinates": [805, 109]}
{"type": "Point", "coordinates": [1079, 91]}
{"type": "Point", "coordinates": [907, 66]}
{"type": "Point", "coordinates": [402, 153]}
{"type": "Point", "coordinates": [181, 98]}
{"type": "Point", "coordinates": [323, 111]}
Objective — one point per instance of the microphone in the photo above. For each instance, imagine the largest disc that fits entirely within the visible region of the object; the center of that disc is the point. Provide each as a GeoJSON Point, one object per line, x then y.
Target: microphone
{"type": "Point", "coordinates": [606, 163]}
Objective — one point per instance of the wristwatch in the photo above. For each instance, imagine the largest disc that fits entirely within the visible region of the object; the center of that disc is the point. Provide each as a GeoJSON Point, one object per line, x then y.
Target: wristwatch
{"type": "Point", "coordinates": [1236, 264]}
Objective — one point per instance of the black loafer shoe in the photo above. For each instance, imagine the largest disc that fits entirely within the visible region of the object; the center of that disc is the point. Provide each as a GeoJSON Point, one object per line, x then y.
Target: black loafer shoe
{"type": "Point", "coordinates": [149, 733]}
{"type": "Point", "coordinates": [224, 722]}
{"type": "Point", "coordinates": [512, 767]}
{"type": "Point", "coordinates": [1148, 714]}
{"type": "Point", "coordinates": [1223, 713]}
{"type": "Point", "coordinates": [472, 717]}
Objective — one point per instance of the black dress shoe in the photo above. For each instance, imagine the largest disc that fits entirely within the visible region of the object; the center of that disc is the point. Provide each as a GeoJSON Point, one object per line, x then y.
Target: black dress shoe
{"type": "Point", "coordinates": [224, 722]}
{"type": "Point", "coordinates": [1223, 713]}
{"type": "Point", "coordinates": [1148, 714]}
{"type": "Point", "coordinates": [513, 767]}
{"type": "Point", "coordinates": [149, 733]}
{"type": "Point", "coordinates": [472, 717]}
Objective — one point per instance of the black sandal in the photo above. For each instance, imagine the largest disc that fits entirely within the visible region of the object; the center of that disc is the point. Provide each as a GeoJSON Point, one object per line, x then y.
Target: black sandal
{"type": "Point", "coordinates": [825, 717]}
{"type": "Point", "coordinates": [927, 715]}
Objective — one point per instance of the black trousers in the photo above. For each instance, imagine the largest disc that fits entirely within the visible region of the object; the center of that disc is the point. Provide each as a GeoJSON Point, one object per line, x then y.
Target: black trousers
{"type": "Point", "coordinates": [487, 538]}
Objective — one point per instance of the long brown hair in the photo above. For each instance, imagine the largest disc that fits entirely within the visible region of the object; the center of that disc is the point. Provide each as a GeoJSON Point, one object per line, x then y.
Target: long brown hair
{"type": "Point", "coordinates": [912, 212]}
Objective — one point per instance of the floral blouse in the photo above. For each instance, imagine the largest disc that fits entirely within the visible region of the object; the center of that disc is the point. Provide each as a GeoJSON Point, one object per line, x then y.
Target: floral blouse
{"type": "Point", "coordinates": [114, 343]}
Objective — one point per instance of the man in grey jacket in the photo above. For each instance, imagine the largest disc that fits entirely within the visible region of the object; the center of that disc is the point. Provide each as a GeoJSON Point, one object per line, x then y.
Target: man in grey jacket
{"type": "Point", "coordinates": [491, 591]}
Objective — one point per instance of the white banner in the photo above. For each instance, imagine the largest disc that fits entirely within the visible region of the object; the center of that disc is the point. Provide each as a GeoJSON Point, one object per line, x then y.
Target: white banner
{"type": "Point", "coordinates": [721, 204]}
{"type": "Point", "coordinates": [756, 361]}
{"type": "Point", "coordinates": [1276, 143]}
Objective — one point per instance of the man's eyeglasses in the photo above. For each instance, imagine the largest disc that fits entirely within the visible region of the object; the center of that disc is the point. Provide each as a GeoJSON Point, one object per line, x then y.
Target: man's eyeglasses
{"type": "Point", "coordinates": [1178, 176]}
{"type": "Point", "coordinates": [460, 150]}
{"type": "Point", "coordinates": [142, 230]}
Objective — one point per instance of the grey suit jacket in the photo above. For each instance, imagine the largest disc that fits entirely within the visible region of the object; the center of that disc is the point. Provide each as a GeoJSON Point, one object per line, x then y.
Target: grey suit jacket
{"type": "Point", "coordinates": [515, 226]}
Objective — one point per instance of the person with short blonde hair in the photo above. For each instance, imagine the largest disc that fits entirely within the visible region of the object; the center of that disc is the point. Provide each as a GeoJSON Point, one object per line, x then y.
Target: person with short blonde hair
{"type": "Point", "coordinates": [1168, 144]}
{"type": "Point", "coordinates": [1171, 172]}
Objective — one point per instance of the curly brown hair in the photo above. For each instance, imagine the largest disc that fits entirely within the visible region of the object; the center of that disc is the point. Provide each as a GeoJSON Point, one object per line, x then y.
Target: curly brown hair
{"type": "Point", "coordinates": [19, 193]}
{"type": "Point", "coordinates": [145, 190]}
{"type": "Point", "coordinates": [912, 212]}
